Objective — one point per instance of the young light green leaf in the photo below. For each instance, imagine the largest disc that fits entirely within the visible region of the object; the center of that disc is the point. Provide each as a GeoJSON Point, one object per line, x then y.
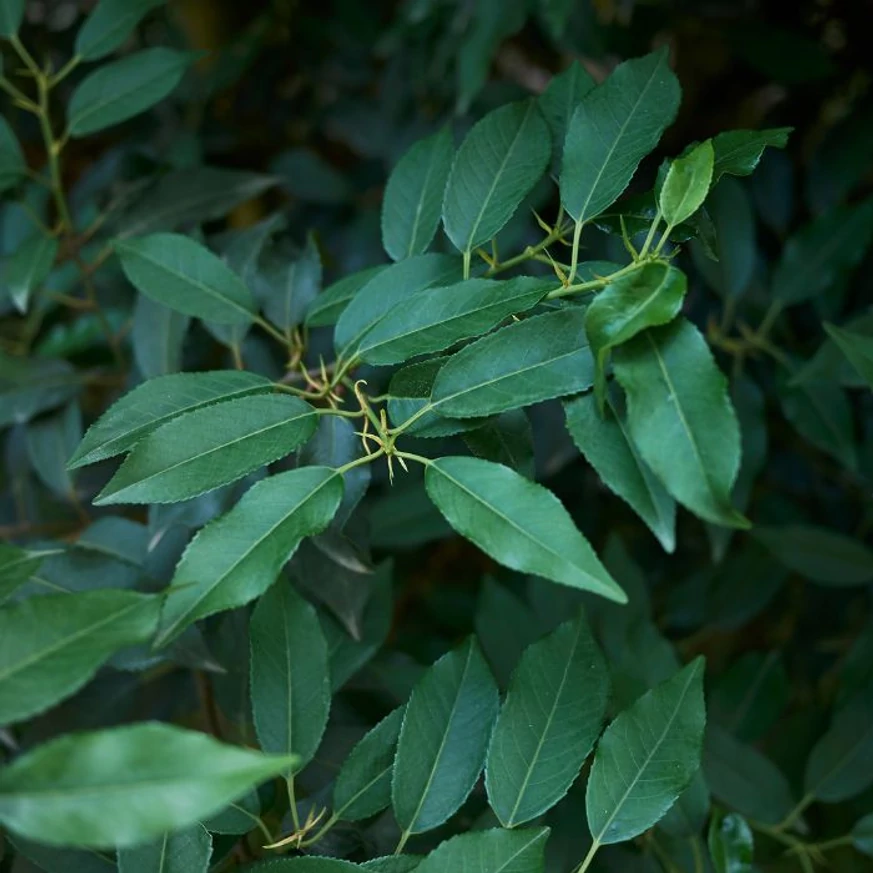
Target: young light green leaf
{"type": "Point", "coordinates": [731, 844]}
{"type": "Point", "coordinates": [647, 757]}
{"type": "Point", "coordinates": [126, 785]}
{"type": "Point", "coordinates": [290, 682]}
{"type": "Point", "coordinates": [552, 715]}
{"type": "Point", "coordinates": [333, 300]}
{"type": "Point", "coordinates": [16, 567]}
{"type": "Point", "coordinates": [687, 183]}
{"type": "Point", "coordinates": [443, 739]}
{"type": "Point", "coordinates": [180, 273]}
{"type": "Point", "coordinates": [498, 163]}
{"type": "Point", "coordinates": [363, 786]}
{"type": "Point", "coordinates": [51, 646]}
{"type": "Point", "coordinates": [648, 297]}
{"type": "Point", "coordinates": [527, 362]}
{"type": "Point", "coordinates": [209, 447]}
{"type": "Point", "coordinates": [12, 164]}
{"type": "Point", "coordinates": [857, 348]}
{"type": "Point", "coordinates": [439, 317]}
{"type": "Point", "coordinates": [681, 418]}
{"type": "Point", "coordinates": [122, 89]}
{"type": "Point", "coordinates": [414, 196]}
{"type": "Point", "coordinates": [50, 442]}
{"type": "Point", "coordinates": [517, 522]}
{"type": "Point", "coordinates": [614, 127]}
{"type": "Point", "coordinates": [28, 267]}
{"type": "Point", "coordinates": [492, 851]}
{"type": "Point", "coordinates": [109, 25]}
{"type": "Point", "coordinates": [239, 555]}
{"type": "Point", "coordinates": [185, 851]}
{"type": "Point", "coordinates": [604, 441]}
{"type": "Point", "coordinates": [158, 401]}
{"type": "Point", "coordinates": [558, 102]}
{"type": "Point", "coordinates": [11, 15]}
{"type": "Point", "coordinates": [737, 152]}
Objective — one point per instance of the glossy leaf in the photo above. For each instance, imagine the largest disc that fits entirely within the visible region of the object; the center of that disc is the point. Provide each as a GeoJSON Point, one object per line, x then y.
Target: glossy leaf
{"type": "Point", "coordinates": [517, 522]}
{"type": "Point", "coordinates": [186, 851]}
{"type": "Point", "coordinates": [413, 198]}
{"type": "Point", "coordinates": [552, 715]}
{"type": "Point", "coordinates": [647, 757]}
{"type": "Point", "coordinates": [239, 555]}
{"type": "Point", "coordinates": [125, 785]}
{"type": "Point", "coordinates": [614, 127]}
{"type": "Point", "coordinates": [109, 25]}
{"type": "Point", "coordinates": [498, 163]}
{"type": "Point", "coordinates": [332, 301]}
{"type": "Point", "coordinates": [731, 844]}
{"type": "Point", "coordinates": [290, 680]}
{"type": "Point", "coordinates": [687, 183]}
{"type": "Point", "coordinates": [857, 348]}
{"type": "Point", "coordinates": [28, 268]}
{"type": "Point", "coordinates": [182, 274]}
{"type": "Point", "coordinates": [737, 152]}
{"type": "Point", "coordinates": [122, 89]}
{"type": "Point", "coordinates": [681, 419]}
{"type": "Point", "coordinates": [12, 164]}
{"type": "Point", "coordinates": [443, 739]}
{"type": "Point", "coordinates": [491, 851]}
{"type": "Point", "coordinates": [210, 447]}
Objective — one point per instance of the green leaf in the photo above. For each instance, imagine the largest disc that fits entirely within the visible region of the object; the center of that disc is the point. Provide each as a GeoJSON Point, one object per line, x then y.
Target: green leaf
{"type": "Point", "coordinates": [857, 348]}
{"type": "Point", "coordinates": [517, 522]}
{"type": "Point", "coordinates": [333, 300]}
{"type": "Point", "coordinates": [527, 362]}
{"type": "Point", "coordinates": [731, 844]}
{"type": "Point", "coordinates": [17, 566]}
{"type": "Point", "coordinates": [239, 555]}
{"type": "Point", "coordinates": [28, 267]}
{"type": "Point", "coordinates": [122, 89]}
{"type": "Point", "coordinates": [681, 418]}
{"type": "Point", "coordinates": [553, 713]}
{"type": "Point", "coordinates": [687, 183]}
{"type": "Point", "coordinates": [838, 767]}
{"type": "Point", "coordinates": [647, 757]}
{"type": "Point", "coordinates": [180, 273]}
{"type": "Point", "coordinates": [862, 835]}
{"type": "Point", "coordinates": [505, 439]}
{"type": "Point", "coordinates": [561, 97]}
{"type": "Point", "coordinates": [606, 445]}
{"type": "Point", "coordinates": [737, 152]}
{"type": "Point", "coordinates": [157, 335]}
{"type": "Point", "coordinates": [31, 386]}
{"type": "Point", "coordinates": [414, 196]}
{"type": "Point", "coordinates": [823, 252]}
{"type": "Point", "coordinates": [443, 739]}
{"type": "Point", "coordinates": [11, 15]}
{"type": "Point", "coordinates": [185, 851]}
{"type": "Point", "coordinates": [52, 645]}
{"type": "Point", "coordinates": [109, 25]}
{"type": "Point", "coordinates": [823, 555]}
{"type": "Point", "coordinates": [12, 163]}
{"type": "Point", "coordinates": [210, 447]}
{"type": "Point", "coordinates": [54, 860]}
{"type": "Point", "coordinates": [493, 851]}
{"type": "Point", "coordinates": [689, 813]}
{"type": "Point", "coordinates": [393, 864]}
{"type": "Point", "coordinates": [647, 297]}
{"type": "Point", "coordinates": [363, 785]}
{"type": "Point", "coordinates": [497, 165]}
{"type": "Point", "coordinates": [290, 679]}
{"type": "Point", "coordinates": [125, 785]}
{"type": "Point", "coordinates": [386, 292]}
{"type": "Point", "coordinates": [290, 287]}
{"type": "Point", "coordinates": [50, 442]}
{"type": "Point", "coordinates": [614, 127]}
{"type": "Point", "coordinates": [157, 402]}
{"type": "Point", "coordinates": [437, 318]}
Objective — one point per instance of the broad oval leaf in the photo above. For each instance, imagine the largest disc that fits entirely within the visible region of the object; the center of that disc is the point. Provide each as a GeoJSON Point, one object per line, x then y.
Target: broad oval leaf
{"type": "Point", "coordinates": [209, 447]}
{"type": "Point", "coordinates": [687, 184]}
{"type": "Point", "coordinates": [737, 152]}
{"type": "Point", "coordinates": [681, 418]}
{"type": "Point", "coordinates": [614, 127]}
{"type": "Point", "coordinates": [332, 301]}
{"type": "Point", "coordinates": [731, 844]}
{"type": "Point", "coordinates": [553, 713]}
{"type": "Point", "coordinates": [517, 522]}
{"type": "Point", "coordinates": [498, 163]}
{"type": "Point", "coordinates": [122, 89]}
{"type": "Point", "coordinates": [443, 739]}
{"type": "Point", "coordinates": [439, 317]}
{"type": "Point", "coordinates": [363, 785]}
{"type": "Point", "coordinates": [527, 362]}
{"type": "Point", "coordinates": [180, 273]}
{"type": "Point", "coordinates": [414, 196]}
{"type": "Point", "coordinates": [647, 757]}
{"type": "Point", "coordinates": [126, 785]}
{"type": "Point", "coordinates": [492, 851]}
{"type": "Point", "coordinates": [109, 25]}
{"type": "Point", "coordinates": [26, 269]}
{"type": "Point", "coordinates": [184, 851]}
{"type": "Point", "coordinates": [239, 555]}
{"type": "Point", "coordinates": [290, 681]}
{"type": "Point", "coordinates": [51, 646]}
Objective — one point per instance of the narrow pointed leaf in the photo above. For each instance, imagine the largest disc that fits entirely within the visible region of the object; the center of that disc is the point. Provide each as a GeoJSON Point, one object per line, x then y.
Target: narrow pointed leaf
{"type": "Point", "coordinates": [239, 555]}
{"type": "Point", "coordinates": [443, 739]}
{"type": "Point", "coordinates": [857, 348]}
{"type": "Point", "coordinates": [290, 287]}
{"type": "Point", "coordinates": [560, 99]}
{"type": "Point", "coordinates": [498, 163]}
{"type": "Point", "coordinates": [517, 522]}
{"type": "Point", "coordinates": [552, 715]}
{"type": "Point", "coordinates": [333, 300]}
{"type": "Point", "coordinates": [209, 447]}
{"type": "Point", "coordinates": [185, 851]}
{"type": "Point", "coordinates": [126, 785]}
{"type": "Point", "coordinates": [647, 757]}
{"type": "Point", "coordinates": [687, 183]}
{"type": "Point", "coordinates": [737, 152]}
{"type": "Point", "coordinates": [16, 567]}
{"type": "Point", "coordinates": [51, 646]}
{"type": "Point", "coordinates": [492, 851]}
{"type": "Point", "coordinates": [28, 268]}
{"type": "Point", "coordinates": [158, 334]}
{"type": "Point", "coordinates": [109, 25]}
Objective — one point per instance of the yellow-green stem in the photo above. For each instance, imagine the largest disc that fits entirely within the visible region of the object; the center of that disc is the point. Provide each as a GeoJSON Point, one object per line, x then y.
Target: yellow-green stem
{"type": "Point", "coordinates": [586, 863]}
{"type": "Point", "coordinates": [574, 260]}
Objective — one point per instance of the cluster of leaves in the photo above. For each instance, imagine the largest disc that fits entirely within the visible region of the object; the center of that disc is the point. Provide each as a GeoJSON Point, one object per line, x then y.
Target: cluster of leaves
{"type": "Point", "coordinates": [289, 449]}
